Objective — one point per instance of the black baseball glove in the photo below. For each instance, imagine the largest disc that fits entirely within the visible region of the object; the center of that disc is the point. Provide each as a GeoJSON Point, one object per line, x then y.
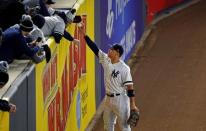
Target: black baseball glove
{"type": "Point", "coordinates": [133, 118]}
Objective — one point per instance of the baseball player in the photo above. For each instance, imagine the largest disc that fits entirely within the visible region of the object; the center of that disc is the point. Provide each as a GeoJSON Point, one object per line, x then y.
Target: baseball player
{"type": "Point", "coordinates": [120, 96]}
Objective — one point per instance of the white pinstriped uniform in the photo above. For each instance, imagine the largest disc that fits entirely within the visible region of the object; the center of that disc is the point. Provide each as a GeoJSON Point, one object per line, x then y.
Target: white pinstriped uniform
{"type": "Point", "coordinates": [116, 77]}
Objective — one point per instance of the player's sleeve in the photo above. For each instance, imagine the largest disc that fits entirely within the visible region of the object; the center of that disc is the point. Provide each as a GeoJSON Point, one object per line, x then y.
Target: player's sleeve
{"type": "Point", "coordinates": [103, 58]}
{"type": "Point", "coordinates": [127, 78]}
{"type": "Point", "coordinates": [92, 45]}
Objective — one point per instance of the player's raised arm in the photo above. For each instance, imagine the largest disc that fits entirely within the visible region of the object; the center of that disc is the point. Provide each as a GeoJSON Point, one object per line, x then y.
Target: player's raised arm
{"type": "Point", "coordinates": [90, 43]}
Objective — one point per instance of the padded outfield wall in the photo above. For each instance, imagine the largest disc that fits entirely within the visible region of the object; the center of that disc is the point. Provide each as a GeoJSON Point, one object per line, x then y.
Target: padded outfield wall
{"type": "Point", "coordinates": [65, 91]}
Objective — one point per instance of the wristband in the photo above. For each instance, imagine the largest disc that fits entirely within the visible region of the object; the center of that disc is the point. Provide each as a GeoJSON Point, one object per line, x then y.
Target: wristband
{"type": "Point", "coordinates": [130, 93]}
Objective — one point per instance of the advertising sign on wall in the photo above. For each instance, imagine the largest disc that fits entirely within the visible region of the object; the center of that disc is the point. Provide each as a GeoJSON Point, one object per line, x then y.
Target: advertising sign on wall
{"type": "Point", "coordinates": [122, 22]}
{"type": "Point", "coordinates": [65, 86]}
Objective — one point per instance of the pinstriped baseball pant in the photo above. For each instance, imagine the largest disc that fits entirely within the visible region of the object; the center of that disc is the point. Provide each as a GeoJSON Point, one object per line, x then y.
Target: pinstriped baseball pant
{"type": "Point", "coordinates": [116, 108]}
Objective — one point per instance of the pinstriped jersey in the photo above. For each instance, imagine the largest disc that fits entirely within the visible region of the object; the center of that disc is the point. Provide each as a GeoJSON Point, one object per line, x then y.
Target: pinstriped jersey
{"type": "Point", "coordinates": [116, 76]}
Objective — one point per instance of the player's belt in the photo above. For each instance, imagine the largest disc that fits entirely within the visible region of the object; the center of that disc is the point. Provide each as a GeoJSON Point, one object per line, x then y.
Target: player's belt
{"type": "Point", "coordinates": [113, 94]}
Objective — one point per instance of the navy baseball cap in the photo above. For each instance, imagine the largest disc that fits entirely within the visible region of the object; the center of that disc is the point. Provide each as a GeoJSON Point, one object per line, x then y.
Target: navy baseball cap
{"type": "Point", "coordinates": [118, 48]}
{"type": "Point", "coordinates": [39, 20]}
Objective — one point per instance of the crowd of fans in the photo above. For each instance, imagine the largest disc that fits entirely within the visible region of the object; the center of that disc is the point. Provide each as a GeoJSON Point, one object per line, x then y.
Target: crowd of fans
{"type": "Point", "coordinates": [24, 27]}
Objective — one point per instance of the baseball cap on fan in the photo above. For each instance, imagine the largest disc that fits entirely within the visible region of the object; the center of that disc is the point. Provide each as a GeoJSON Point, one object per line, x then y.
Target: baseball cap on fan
{"type": "Point", "coordinates": [39, 20]}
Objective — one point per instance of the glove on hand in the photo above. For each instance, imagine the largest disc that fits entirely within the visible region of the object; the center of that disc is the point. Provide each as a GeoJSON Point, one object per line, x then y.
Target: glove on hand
{"type": "Point", "coordinates": [133, 118]}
